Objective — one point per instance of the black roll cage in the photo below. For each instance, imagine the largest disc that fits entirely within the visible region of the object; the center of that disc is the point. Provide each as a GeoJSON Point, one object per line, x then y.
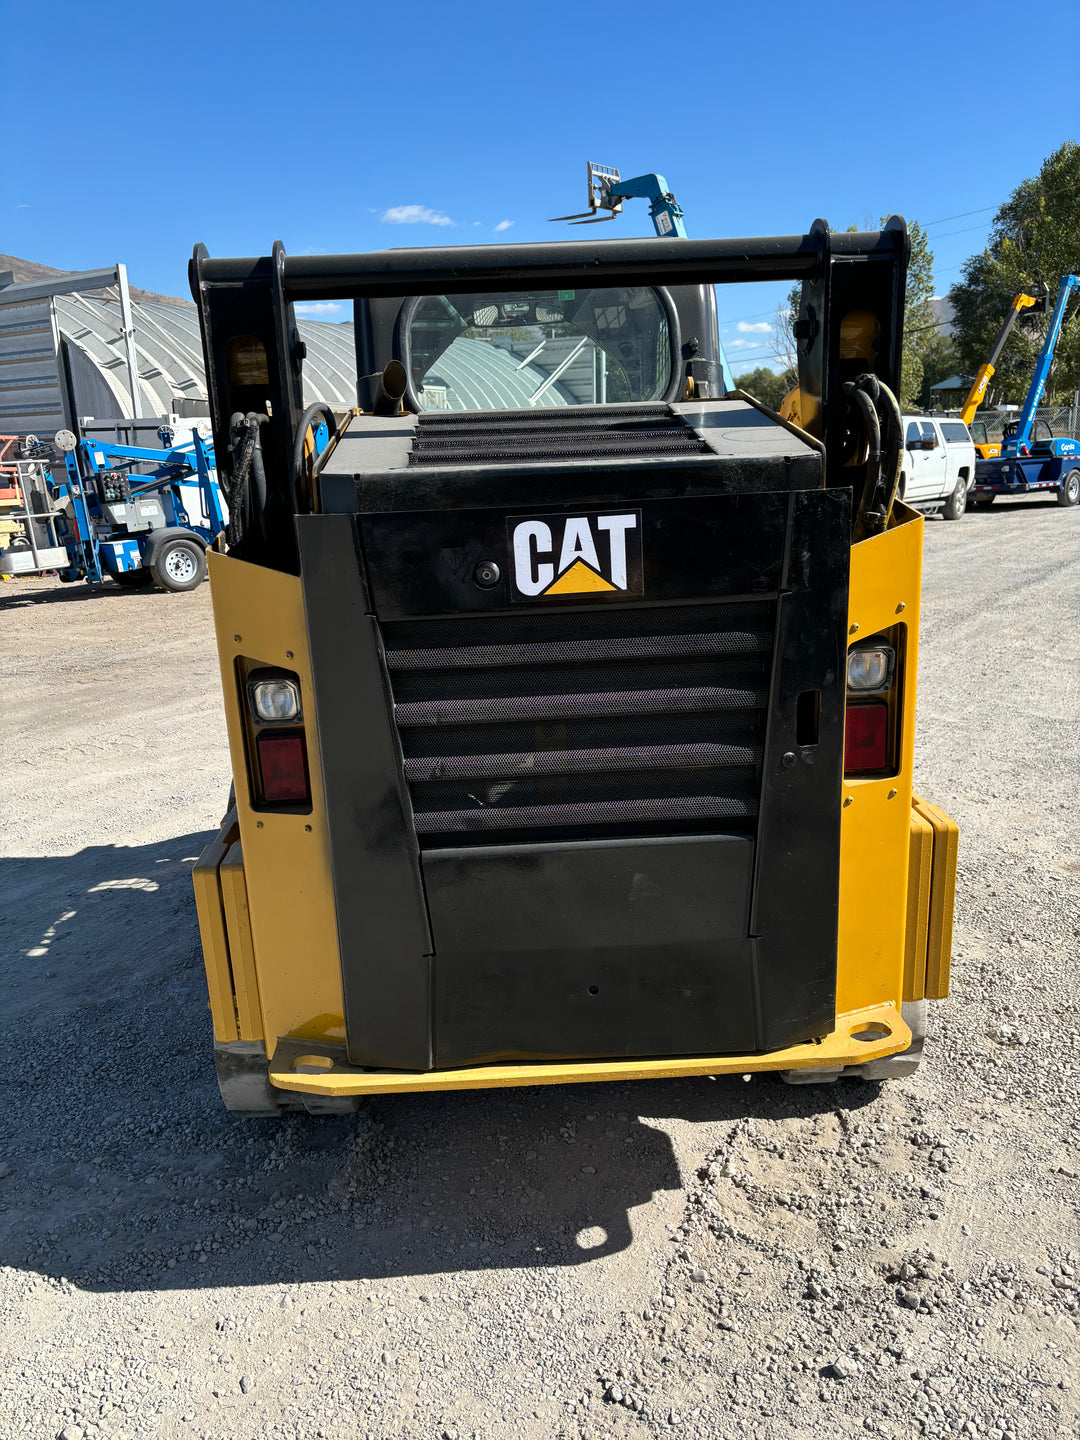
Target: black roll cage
{"type": "Point", "coordinates": [250, 302]}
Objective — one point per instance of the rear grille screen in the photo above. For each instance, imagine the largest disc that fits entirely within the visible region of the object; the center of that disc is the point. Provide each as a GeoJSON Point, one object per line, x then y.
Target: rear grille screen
{"type": "Point", "coordinates": [634, 721]}
{"type": "Point", "coordinates": [587, 432]}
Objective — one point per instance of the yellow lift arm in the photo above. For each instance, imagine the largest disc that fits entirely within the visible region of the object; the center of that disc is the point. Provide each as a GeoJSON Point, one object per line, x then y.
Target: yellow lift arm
{"type": "Point", "coordinates": [982, 379]}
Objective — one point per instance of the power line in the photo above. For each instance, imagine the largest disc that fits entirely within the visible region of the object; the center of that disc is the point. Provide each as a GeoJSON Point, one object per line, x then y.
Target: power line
{"type": "Point", "coordinates": [734, 319]}
{"type": "Point", "coordinates": [739, 358]}
{"type": "Point", "coordinates": [965, 231]}
{"type": "Point", "coordinates": [962, 216]}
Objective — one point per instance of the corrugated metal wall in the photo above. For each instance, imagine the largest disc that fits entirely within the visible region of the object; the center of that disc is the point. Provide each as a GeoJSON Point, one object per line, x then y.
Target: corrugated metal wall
{"type": "Point", "coordinates": [32, 396]}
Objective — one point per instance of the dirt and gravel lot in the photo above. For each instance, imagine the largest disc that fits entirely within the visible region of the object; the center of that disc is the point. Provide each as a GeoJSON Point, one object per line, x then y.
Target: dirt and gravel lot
{"type": "Point", "coordinates": [689, 1258]}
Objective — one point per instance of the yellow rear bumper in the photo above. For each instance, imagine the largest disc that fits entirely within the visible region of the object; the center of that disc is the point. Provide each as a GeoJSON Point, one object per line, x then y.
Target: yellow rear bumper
{"type": "Point", "coordinates": [294, 1062]}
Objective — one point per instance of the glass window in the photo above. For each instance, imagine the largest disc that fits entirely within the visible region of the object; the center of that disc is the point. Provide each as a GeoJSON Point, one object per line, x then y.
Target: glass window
{"type": "Point", "coordinates": [523, 350]}
{"type": "Point", "coordinates": [955, 432]}
{"type": "Point", "coordinates": [912, 438]}
{"type": "Point", "coordinates": [928, 432]}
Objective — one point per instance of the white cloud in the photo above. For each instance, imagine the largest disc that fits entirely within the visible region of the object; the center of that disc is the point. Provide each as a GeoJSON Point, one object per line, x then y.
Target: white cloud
{"type": "Point", "coordinates": [742, 344]}
{"type": "Point", "coordinates": [317, 309]}
{"type": "Point", "coordinates": [414, 215]}
{"type": "Point", "coordinates": [761, 327]}
{"type": "Point", "coordinates": [503, 225]}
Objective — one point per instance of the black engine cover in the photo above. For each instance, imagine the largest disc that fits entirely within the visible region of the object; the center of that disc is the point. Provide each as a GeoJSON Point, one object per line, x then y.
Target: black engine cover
{"type": "Point", "coordinates": [576, 806]}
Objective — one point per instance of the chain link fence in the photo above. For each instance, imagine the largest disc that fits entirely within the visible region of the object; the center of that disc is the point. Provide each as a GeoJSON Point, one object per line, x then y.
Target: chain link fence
{"type": "Point", "coordinates": [1063, 421]}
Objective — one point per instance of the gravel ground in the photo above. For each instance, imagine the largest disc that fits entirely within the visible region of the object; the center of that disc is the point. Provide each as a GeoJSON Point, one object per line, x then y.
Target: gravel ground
{"type": "Point", "coordinates": [689, 1258]}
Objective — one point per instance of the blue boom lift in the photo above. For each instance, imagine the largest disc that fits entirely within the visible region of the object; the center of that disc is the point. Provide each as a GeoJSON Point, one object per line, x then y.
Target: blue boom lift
{"type": "Point", "coordinates": [1028, 463]}
{"type": "Point", "coordinates": [153, 525]}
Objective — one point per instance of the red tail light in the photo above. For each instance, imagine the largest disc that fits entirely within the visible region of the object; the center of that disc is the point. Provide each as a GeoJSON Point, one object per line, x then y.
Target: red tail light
{"type": "Point", "coordinates": [283, 768]}
{"type": "Point", "coordinates": [866, 737]}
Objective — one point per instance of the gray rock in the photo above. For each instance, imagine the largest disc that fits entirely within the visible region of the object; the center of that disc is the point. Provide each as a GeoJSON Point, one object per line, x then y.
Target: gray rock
{"type": "Point", "coordinates": [71, 1432]}
{"type": "Point", "coordinates": [844, 1368]}
{"type": "Point", "coordinates": [247, 1384]}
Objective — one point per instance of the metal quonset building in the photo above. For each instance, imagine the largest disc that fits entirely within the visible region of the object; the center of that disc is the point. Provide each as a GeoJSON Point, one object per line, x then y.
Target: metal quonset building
{"type": "Point", "coordinates": [67, 344]}
{"type": "Point", "coordinates": [170, 358]}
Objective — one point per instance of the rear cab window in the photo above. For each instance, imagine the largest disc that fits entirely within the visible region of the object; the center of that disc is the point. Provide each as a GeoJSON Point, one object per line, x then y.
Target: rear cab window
{"type": "Point", "coordinates": [538, 349]}
{"type": "Point", "coordinates": [955, 432]}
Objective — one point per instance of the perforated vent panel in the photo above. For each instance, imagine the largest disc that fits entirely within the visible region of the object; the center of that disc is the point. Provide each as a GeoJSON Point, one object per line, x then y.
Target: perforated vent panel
{"type": "Point", "coordinates": [586, 432]}
{"type": "Point", "coordinates": [633, 721]}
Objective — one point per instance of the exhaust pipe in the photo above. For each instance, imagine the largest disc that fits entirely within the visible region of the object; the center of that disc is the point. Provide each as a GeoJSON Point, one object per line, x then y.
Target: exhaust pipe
{"type": "Point", "coordinates": [393, 382]}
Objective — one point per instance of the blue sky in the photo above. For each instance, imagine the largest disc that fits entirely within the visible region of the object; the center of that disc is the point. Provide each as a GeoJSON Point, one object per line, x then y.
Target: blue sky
{"type": "Point", "coordinates": [347, 127]}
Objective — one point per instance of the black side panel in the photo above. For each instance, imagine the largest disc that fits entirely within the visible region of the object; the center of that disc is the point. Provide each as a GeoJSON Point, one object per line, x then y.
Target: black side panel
{"type": "Point", "coordinates": [592, 950]}
{"type": "Point", "coordinates": [382, 923]}
{"type": "Point", "coordinates": [797, 890]}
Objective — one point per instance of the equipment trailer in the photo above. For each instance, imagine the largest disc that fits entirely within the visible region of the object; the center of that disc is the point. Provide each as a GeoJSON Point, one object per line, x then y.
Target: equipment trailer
{"type": "Point", "coordinates": [571, 741]}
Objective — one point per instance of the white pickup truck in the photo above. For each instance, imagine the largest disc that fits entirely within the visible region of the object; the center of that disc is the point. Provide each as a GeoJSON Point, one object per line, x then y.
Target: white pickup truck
{"type": "Point", "coordinates": [938, 466]}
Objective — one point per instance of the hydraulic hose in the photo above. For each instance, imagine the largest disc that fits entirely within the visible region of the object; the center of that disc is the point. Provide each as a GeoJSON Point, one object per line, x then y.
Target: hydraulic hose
{"type": "Point", "coordinates": [246, 452]}
{"type": "Point", "coordinates": [879, 411]}
{"type": "Point", "coordinates": [310, 415]}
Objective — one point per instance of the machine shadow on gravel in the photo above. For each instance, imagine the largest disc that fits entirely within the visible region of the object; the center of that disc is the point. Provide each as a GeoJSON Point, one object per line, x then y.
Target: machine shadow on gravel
{"type": "Point", "coordinates": [119, 1170]}
{"type": "Point", "coordinates": [20, 594]}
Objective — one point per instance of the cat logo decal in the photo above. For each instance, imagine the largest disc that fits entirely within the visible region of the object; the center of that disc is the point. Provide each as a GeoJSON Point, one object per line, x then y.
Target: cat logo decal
{"type": "Point", "coordinates": [582, 556]}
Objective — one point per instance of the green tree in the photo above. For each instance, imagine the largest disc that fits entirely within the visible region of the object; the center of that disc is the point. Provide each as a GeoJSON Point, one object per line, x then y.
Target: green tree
{"type": "Point", "coordinates": [766, 386]}
{"type": "Point", "coordinates": [919, 327]}
{"type": "Point", "coordinates": [1035, 237]}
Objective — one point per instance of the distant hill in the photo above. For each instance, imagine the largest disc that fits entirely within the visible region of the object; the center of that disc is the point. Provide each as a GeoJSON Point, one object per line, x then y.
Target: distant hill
{"type": "Point", "coordinates": [944, 313]}
{"type": "Point", "coordinates": [24, 270]}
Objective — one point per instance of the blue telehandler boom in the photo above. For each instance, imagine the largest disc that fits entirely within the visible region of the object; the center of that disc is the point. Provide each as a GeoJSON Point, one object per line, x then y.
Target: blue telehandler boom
{"type": "Point", "coordinates": [606, 190]}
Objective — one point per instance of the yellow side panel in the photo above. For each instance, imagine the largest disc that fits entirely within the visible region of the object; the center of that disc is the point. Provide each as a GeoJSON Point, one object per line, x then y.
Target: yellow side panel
{"type": "Point", "coordinates": [259, 614]}
{"type": "Point", "coordinates": [241, 949]}
{"type": "Point", "coordinates": [942, 899]}
{"type": "Point", "coordinates": [920, 862]}
{"type": "Point", "coordinates": [215, 944]}
{"type": "Point", "coordinates": [875, 824]}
